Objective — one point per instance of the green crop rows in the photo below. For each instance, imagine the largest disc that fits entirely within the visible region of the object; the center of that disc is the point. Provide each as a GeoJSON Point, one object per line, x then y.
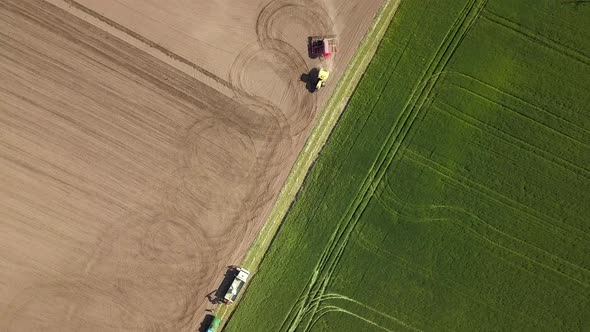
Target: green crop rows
{"type": "Point", "coordinates": [454, 194]}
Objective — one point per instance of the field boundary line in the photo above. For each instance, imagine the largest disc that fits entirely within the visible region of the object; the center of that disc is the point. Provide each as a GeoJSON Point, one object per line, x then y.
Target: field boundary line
{"type": "Point", "coordinates": [318, 137]}
{"type": "Point", "coordinates": [519, 99]}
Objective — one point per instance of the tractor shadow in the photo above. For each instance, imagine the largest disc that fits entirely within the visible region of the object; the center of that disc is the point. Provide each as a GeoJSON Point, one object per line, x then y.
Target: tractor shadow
{"type": "Point", "coordinates": [310, 79]}
{"type": "Point", "coordinates": [205, 323]}
{"type": "Point", "coordinates": [216, 296]}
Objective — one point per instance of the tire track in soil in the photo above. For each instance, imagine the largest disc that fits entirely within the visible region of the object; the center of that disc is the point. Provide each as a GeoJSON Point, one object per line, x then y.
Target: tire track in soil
{"type": "Point", "coordinates": [212, 164]}
{"type": "Point", "coordinates": [147, 41]}
{"type": "Point", "coordinates": [306, 12]}
{"type": "Point", "coordinates": [266, 121]}
{"type": "Point", "coordinates": [256, 120]}
{"type": "Point", "coordinates": [156, 256]}
{"type": "Point", "coordinates": [149, 256]}
{"type": "Point", "coordinates": [285, 58]}
{"type": "Point", "coordinates": [144, 259]}
{"type": "Point", "coordinates": [160, 249]}
{"type": "Point", "coordinates": [70, 301]}
{"type": "Point", "coordinates": [259, 120]}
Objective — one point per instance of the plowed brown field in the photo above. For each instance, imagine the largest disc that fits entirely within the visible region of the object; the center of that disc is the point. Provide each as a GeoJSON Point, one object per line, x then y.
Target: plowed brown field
{"type": "Point", "coordinates": [142, 144]}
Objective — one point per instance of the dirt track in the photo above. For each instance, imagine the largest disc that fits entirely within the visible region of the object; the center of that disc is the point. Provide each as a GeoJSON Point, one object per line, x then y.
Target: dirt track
{"type": "Point", "coordinates": [134, 167]}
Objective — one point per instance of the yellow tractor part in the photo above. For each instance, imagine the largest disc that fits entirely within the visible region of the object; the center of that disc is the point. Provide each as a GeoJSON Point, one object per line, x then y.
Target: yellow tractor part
{"type": "Point", "coordinates": [322, 78]}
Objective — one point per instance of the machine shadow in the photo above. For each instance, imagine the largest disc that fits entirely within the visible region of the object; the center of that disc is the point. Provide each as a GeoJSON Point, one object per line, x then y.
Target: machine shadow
{"type": "Point", "coordinates": [216, 296]}
{"type": "Point", "coordinates": [311, 79]}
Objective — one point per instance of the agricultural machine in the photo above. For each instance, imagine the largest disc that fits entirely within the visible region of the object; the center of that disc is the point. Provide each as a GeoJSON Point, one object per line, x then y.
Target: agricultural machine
{"type": "Point", "coordinates": [236, 286]}
{"type": "Point", "coordinates": [322, 78]}
{"type": "Point", "coordinates": [322, 46]}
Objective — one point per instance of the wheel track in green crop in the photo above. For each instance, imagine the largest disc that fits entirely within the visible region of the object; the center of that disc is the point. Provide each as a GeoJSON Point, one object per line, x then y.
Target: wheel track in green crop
{"type": "Point", "coordinates": [457, 75]}
{"type": "Point", "coordinates": [444, 213]}
{"type": "Point", "coordinates": [302, 295]}
{"type": "Point", "coordinates": [462, 117]}
{"type": "Point", "coordinates": [540, 225]}
{"type": "Point", "coordinates": [451, 75]}
{"type": "Point", "coordinates": [470, 215]}
{"type": "Point", "coordinates": [497, 197]}
{"type": "Point", "coordinates": [523, 115]}
{"type": "Point", "coordinates": [537, 38]}
{"type": "Point", "coordinates": [337, 243]}
{"type": "Point", "coordinates": [384, 86]}
{"type": "Point", "coordinates": [455, 286]}
{"type": "Point", "coordinates": [340, 297]}
{"type": "Point", "coordinates": [512, 140]}
{"type": "Point", "coordinates": [326, 309]}
{"type": "Point", "coordinates": [455, 215]}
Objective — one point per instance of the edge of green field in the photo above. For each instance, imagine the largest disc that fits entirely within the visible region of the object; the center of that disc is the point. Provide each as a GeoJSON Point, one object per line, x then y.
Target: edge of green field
{"type": "Point", "coordinates": [317, 138]}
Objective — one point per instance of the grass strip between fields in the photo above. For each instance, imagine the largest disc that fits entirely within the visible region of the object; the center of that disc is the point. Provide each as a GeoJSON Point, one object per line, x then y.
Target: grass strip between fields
{"type": "Point", "coordinates": [318, 137]}
{"type": "Point", "coordinates": [320, 133]}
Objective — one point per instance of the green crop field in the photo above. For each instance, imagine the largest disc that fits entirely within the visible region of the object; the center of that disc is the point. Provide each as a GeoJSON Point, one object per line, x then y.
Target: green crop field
{"type": "Point", "coordinates": [454, 194]}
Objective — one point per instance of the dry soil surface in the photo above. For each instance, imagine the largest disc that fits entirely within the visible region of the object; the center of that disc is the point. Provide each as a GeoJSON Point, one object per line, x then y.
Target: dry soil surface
{"type": "Point", "coordinates": [142, 144]}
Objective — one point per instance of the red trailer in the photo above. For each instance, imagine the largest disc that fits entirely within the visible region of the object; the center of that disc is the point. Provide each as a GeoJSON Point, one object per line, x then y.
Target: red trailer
{"type": "Point", "coordinates": [323, 46]}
